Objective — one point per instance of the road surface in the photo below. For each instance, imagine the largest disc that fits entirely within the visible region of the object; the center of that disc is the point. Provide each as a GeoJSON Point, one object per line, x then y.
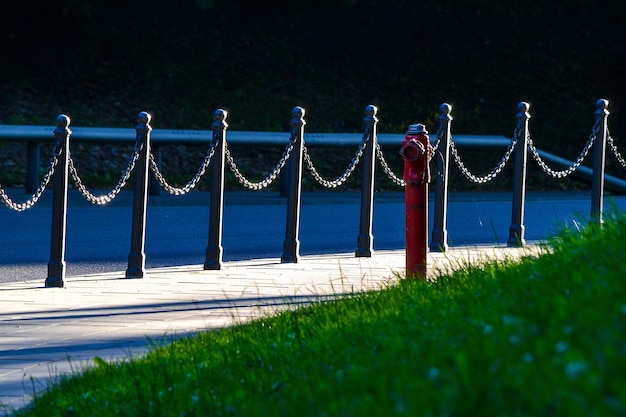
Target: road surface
{"type": "Point", "coordinates": [98, 237]}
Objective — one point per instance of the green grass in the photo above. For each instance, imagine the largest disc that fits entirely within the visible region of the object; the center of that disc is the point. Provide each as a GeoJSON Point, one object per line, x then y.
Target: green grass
{"type": "Point", "coordinates": [540, 336]}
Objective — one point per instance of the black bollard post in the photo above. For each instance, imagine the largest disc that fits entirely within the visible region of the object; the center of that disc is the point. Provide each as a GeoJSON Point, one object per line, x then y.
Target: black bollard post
{"type": "Point", "coordinates": [365, 240]}
{"type": "Point", "coordinates": [214, 250]}
{"type": "Point", "coordinates": [597, 182]}
{"type": "Point", "coordinates": [56, 265]}
{"type": "Point", "coordinates": [291, 245]}
{"type": "Point", "coordinates": [439, 238]}
{"type": "Point", "coordinates": [137, 256]}
{"type": "Point", "coordinates": [517, 229]}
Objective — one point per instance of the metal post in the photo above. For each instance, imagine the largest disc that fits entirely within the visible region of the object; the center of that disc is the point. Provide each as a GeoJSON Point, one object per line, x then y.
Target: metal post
{"type": "Point", "coordinates": [517, 229]}
{"type": "Point", "coordinates": [137, 256]}
{"type": "Point", "coordinates": [214, 250]}
{"type": "Point", "coordinates": [56, 265]}
{"type": "Point", "coordinates": [365, 240]}
{"type": "Point", "coordinates": [597, 182]}
{"type": "Point", "coordinates": [439, 240]}
{"type": "Point", "coordinates": [32, 170]}
{"type": "Point", "coordinates": [291, 245]}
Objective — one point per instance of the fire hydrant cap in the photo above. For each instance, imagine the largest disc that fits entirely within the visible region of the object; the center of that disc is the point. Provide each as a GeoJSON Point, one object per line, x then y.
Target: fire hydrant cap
{"type": "Point", "coordinates": [417, 129]}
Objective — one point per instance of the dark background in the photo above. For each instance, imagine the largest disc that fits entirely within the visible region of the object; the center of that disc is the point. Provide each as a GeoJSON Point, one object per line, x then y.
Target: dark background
{"type": "Point", "coordinates": [103, 61]}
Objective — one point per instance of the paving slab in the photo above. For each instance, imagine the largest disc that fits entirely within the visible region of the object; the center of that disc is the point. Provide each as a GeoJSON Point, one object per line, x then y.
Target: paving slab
{"type": "Point", "coordinates": [47, 332]}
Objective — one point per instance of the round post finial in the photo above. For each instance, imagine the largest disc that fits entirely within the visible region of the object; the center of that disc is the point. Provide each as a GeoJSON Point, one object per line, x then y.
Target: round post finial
{"type": "Point", "coordinates": [523, 107]}
{"type": "Point", "coordinates": [602, 106]}
{"type": "Point", "coordinates": [370, 114]}
{"type": "Point", "coordinates": [220, 115]}
{"type": "Point", "coordinates": [63, 125]}
{"type": "Point", "coordinates": [297, 112]}
{"type": "Point", "coordinates": [219, 118]}
{"type": "Point", "coordinates": [297, 117]}
{"type": "Point", "coordinates": [144, 118]}
{"type": "Point", "coordinates": [522, 110]}
{"type": "Point", "coordinates": [63, 121]}
{"type": "Point", "coordinates": [371, 110]}
{"type": "Point", "coordinates": [143, 121]}
{"type": "Point", "coordinates": [444, 111]}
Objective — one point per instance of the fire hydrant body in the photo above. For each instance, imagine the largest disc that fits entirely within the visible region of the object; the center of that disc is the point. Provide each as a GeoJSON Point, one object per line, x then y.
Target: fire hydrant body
{"type": "Point", "coordinates": [416, 152]}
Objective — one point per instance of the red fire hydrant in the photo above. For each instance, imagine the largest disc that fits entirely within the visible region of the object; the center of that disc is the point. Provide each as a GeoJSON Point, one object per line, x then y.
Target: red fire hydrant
{"type": "Point", "coordinates": [416, 152]}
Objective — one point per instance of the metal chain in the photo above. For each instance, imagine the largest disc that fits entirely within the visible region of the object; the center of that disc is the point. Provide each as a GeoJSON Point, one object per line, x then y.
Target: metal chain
{"type": "Point", "coordinates": [108, 197]}
{"type": "Point", "coordinates": [256, 186]}
{"type": "Point", "coordinates": [616, 152]}
{"type": "Point", "coordinates": [495, 171]}
{"type": "Point", "coordinates": [343, 177]}
{"type": "Point", "coordinates": [440, 132]}
{"type": "Point", "coordinates": [42, 187]}
{"type": "Point", "coordinates": [192, 183]}
{"type": "Point", "coordinates": [564, 173]}
{"type": "Point", "coordinates": [386, 169]}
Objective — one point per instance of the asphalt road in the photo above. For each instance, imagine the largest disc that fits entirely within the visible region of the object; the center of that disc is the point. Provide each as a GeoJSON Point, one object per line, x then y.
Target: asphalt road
{"type": "Point", "coordinates": [98, 237]}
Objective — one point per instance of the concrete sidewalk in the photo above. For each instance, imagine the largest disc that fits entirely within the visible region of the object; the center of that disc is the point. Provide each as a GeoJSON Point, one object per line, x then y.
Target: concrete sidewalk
{"type": "Point", "coordinates": [52, 331]}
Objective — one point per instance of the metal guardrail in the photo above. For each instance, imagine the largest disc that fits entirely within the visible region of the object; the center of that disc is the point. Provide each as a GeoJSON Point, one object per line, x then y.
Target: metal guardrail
{"type": "Point", "coordinates": [36, 134]}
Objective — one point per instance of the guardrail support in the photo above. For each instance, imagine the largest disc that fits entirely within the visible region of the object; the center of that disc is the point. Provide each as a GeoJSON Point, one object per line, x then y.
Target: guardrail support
{"type": "Point", "coordinates": [137, 256]}
{"type": "Point", "coordinates": [291, 245]}
{"type": "Point", "coordinates": [32, 171]}
{"type": "Point", "coordinates": [517, 229]}
{"type": "Point", "coordinates": [599, 155]}
{"type": "Point", "coordinates": [56, 265]}
{"type": "Point", "coordinates": [365, 240]}
{"type": "Point", "coordinates": [214, 250]}
{"type": "Point", "coordinates": [439, 238]}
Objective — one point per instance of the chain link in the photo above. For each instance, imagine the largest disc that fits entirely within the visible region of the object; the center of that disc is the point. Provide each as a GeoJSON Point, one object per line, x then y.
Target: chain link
{"type": "Point", "coordinates": [343, 177]}
{"type": "Point", "coordinates": [440, 133]}
{"type": "Point", "coordinates": [256, 186]}
{"type": "Point", "coordinates": [396, 180]}
{"type": "Point", "coordinates": [614, 149]}
{"type": "Point", "coordinates": [42, 186]}
{"type": "Point", "coordinates": [108, 197]}
{"type": "Point", "coordinates": [192, 183]}
{"type": "Point", "coordinates": [495, 171]}
{"type": "Point", "coordinates": [564, 173]}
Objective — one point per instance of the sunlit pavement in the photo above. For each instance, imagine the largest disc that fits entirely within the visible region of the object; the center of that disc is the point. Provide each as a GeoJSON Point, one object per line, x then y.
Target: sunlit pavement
{"type": "Point", "coordinates": [51, 331]}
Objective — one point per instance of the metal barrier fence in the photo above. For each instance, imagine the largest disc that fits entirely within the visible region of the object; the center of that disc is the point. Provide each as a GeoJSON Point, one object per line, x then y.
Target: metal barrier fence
{"type": "Point", "coordinates": [218, 156]}
{"type": "Point", "coordinates": [519, 146]}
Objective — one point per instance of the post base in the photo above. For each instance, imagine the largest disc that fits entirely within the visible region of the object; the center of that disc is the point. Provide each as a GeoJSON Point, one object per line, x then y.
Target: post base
{"type": "Point", "coordinates": [136, 265]}
{"type": "Point", "coordinates": [54, 282]}
{"type": "Point", "coordinates": [213, 259]}
{"type": "Point", "coordinates": [364, 247]}
{"type": "Point", "coordinates": [516, 237]}
{"type": "Point", "coordinates": [56, 274]}
{"type": "Point", "coordinates": [439, 241]}
{"type": "Point", "coordinates": [134, 273]}
{"type": "Point", "coordinates": [291, 252]}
